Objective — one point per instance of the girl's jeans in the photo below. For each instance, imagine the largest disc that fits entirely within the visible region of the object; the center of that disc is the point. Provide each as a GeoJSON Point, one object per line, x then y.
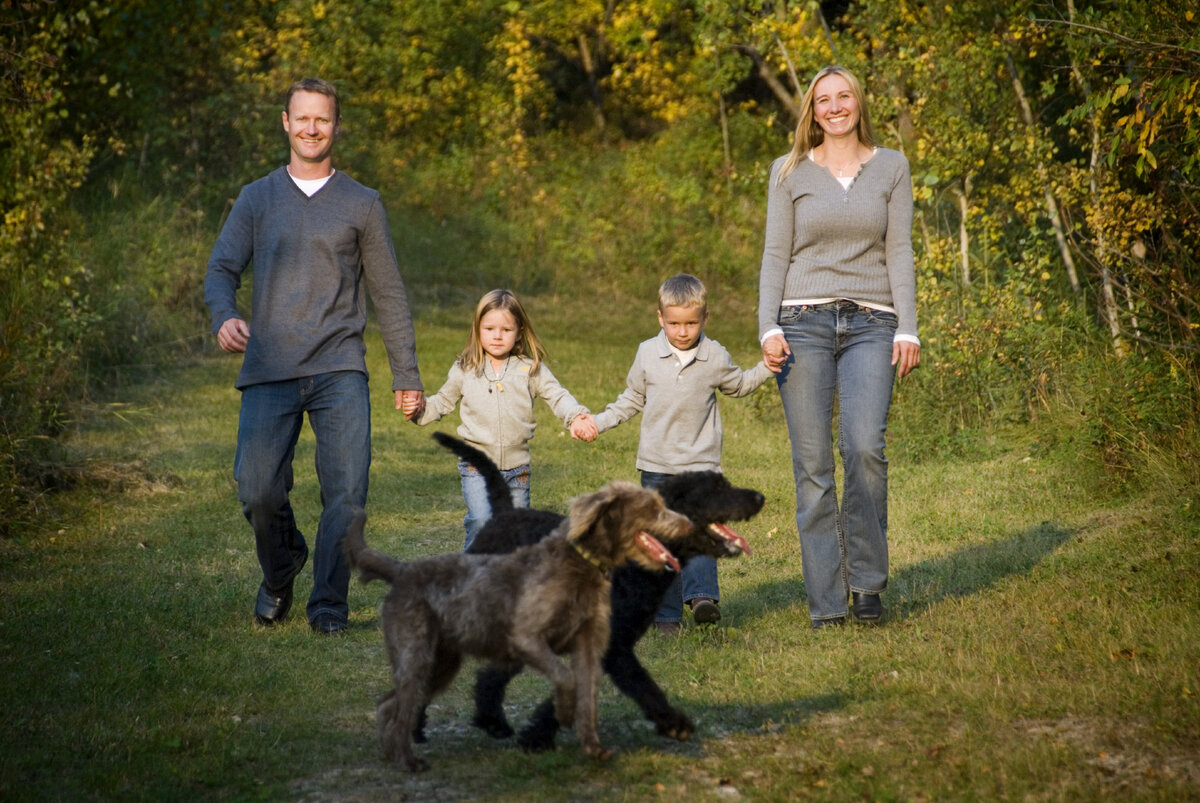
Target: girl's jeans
{"type": "Point", "coordinates": [475, 494]}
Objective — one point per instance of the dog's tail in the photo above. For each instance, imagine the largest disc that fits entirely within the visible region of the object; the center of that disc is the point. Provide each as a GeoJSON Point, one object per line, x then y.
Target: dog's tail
{"type": "Point", "coordinates": [371, 564]}
{"type": "Point", "coordinates": [499, 495]}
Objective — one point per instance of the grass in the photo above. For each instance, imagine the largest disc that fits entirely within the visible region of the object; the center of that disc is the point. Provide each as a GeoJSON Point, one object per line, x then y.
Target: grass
{"type": "Point", "coordinates": [1040, 643]}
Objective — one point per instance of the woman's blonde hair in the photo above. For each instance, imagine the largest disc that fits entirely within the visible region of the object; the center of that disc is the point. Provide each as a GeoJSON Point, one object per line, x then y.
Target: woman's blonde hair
{"type": "Point", "coordinates": [808, 131]}
{"type": "Point", "coordinates": [527, 345]}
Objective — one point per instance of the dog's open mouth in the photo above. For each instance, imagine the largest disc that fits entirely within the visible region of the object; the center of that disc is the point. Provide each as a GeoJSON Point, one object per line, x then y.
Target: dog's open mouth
{"type": "Point", "coordinates": [723, 531]}
{"type": "Point", "coordinates": [657, 552]}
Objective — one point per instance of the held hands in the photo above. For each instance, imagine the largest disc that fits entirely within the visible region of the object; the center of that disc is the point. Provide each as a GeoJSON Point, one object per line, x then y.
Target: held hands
{"type": "Point", "coordinates": [411, 403]}
{"type": "Point", "coordinates": [775, 353]}
{"type": "Point", "coordinates": [233, 336]}
{"type": "Point", "coordinates": [583, 428]}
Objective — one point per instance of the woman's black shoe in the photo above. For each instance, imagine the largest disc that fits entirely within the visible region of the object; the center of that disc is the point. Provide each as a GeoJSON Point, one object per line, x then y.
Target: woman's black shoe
{"type": "Point", "coordinates": [867, 607]}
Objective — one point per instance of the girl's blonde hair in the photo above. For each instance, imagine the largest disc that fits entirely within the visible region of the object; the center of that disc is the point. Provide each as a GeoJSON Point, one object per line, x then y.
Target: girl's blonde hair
{"type": "Point", "coordinates": [809, 133]}
{"type": "Point", "coordinates": [527, 345]}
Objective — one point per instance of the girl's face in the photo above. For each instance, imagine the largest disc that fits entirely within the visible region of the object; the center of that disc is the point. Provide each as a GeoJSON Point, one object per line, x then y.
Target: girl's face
{"type": "Point", "coordinates": [498, 332]}
{"type": "Point", "coordinates": [834, 106]}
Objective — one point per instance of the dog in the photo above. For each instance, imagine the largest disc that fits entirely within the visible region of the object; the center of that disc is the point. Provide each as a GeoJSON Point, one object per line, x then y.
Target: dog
{"type": "Point", "coordinates": [707, 498]}
{"type": "Point", "coordinates": [525, 607]}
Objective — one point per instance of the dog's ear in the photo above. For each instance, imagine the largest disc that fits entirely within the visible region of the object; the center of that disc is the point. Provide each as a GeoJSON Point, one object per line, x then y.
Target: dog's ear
{"type": "Point", "coordinates": [587, 510]}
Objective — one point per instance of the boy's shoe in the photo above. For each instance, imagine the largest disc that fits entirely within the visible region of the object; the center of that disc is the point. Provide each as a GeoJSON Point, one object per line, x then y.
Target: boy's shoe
{"type": "Point", "coordinates": [705, 611]}
{"type": "Point", "coordinates": [668, 628]}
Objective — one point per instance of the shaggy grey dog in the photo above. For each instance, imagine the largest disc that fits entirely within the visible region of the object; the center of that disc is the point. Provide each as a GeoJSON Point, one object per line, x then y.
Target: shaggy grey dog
{"type": "Point", "coordinates": [525, 607]}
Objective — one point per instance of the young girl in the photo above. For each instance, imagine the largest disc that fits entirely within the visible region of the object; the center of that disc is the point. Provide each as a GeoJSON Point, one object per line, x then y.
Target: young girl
{"type": "Point", "coordinates": [496, 378]}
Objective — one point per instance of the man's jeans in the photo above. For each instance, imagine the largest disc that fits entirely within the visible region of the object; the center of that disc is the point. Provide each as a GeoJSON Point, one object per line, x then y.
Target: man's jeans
{"type": "Point", "coordinates": [339, 412]}
{"type": "Point", "coordinates": [842, 352]}
{"type": "Point", "coordinates": [479, 508]}
{"type": "Point", "coordinates": [697, 581]}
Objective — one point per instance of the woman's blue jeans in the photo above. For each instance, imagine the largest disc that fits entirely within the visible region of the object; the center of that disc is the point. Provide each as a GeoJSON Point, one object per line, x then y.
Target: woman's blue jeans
{"type": "Point", "coordinates": [339, 411]}
{"type": "Point", "coordinates": [479, 508]}
{"type": "Point", "coordinates": [841, 353]}
{"type": "Point", "coordinates": [697, 580]}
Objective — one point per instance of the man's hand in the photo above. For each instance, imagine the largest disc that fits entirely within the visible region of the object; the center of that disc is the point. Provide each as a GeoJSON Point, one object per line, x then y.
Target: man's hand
{"type": "Point", "coordinates": [233, 336]}
{"type": "Point", "coordinates": [411, 403]}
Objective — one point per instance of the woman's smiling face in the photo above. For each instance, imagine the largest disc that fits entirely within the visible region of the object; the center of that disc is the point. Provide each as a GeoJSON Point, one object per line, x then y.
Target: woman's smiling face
{"type": "Point", "coordinates": [835, 107]}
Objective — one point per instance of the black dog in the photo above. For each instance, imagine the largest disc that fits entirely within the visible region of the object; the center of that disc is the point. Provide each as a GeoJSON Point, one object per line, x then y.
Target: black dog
{"type": "Point", "coordinates": [705, 497]}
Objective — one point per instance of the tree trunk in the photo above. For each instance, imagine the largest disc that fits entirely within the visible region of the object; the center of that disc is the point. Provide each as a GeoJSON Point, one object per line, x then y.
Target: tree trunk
{"type": "Point", "coordinates": [1108, 302]}
{"type": "Point", "coordinates": [964, 237]}
{"type": "Point", "coordinates": [789, 100]}
{"type": "Point", "coordinates": [589, 67]}
{"type": "Point", "coordinates": [725, 143]}
{"type": "Point", "coordinates": [1052, 210]}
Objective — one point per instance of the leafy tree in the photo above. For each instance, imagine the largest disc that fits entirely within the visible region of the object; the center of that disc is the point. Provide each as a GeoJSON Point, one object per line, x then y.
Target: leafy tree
{"type": "Point", "coordinates": [45, 307]}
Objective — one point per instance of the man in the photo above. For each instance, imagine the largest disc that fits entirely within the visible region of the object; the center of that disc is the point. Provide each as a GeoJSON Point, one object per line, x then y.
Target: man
{"type": "Point", "coordinates": [313, 235]}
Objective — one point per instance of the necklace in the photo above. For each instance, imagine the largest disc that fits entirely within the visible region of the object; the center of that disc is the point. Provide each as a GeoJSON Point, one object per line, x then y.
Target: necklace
{"type": "Point", "coordinates": [499, 377]}
{"type": "Point", "coordinates": [841, 171]}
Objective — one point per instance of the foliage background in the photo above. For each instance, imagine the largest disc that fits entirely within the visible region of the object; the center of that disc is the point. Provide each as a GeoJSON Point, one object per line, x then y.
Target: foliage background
{"type": "Point", "coordinates": [587, 149]}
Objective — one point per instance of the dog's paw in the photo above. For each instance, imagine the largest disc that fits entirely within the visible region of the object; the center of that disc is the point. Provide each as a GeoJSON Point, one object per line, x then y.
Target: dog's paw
{"type": "Point", "coordinates": [536, 740]}
{"type": "Point", "coordinates": [675, 725]}
{"type": "Point", "coordinates": [598, 752]}
{"type": "Point", "coordinates": [496, 727]}
{"type": "Point", "coordinates": [403, 755]}
{"type": "Point", "coordinates": [415, 764]}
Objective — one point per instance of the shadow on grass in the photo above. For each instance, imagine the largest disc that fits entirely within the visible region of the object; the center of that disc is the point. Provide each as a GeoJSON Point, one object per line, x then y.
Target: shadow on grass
{"type": "Point", "coordinates": [915, 588]}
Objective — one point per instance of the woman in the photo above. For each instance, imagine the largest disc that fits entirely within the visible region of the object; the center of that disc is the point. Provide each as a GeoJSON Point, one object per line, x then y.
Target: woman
{"type": "Point", "coordinates": [837, 320]}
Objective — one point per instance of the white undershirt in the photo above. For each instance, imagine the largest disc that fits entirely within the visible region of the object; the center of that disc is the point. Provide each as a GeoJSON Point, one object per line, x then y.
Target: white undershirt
{"type": "Point", "coordinates": [310, 186]}
{"type": "Point", "coordinates": [685, 357]}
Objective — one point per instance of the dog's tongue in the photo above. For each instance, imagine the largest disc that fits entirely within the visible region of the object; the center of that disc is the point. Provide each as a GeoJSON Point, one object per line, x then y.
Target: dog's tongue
{"type": "Point", "coordinates": [729, 535]}
{"type": "Point", "coordinates": [654, 548]}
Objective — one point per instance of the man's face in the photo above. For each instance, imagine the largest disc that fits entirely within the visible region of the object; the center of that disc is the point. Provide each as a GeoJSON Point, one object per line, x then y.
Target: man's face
{"type": "Point", "coordinates": [311, 127]}
{"type": "Point", "coordinates": [682, 325]}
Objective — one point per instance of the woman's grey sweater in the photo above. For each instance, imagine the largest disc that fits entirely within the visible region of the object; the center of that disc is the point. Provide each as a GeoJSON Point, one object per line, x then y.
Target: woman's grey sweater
{"type": "Point", "coordinates": [826, 242]}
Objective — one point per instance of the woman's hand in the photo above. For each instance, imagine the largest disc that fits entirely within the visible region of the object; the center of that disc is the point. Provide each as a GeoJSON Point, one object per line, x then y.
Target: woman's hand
{"type": "Point", "coordinates": [905, 356]}
{"type": "Point", "coordinates": [775, 353]}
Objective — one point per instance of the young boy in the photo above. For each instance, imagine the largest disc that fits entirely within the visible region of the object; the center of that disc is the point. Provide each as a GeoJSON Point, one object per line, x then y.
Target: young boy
{"type": "Point", "coordinates": [673, 381]}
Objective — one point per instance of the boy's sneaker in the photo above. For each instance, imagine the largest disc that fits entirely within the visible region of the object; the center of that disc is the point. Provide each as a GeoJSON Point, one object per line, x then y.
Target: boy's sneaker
{"type": "Point", "coordinates": [705, 611]}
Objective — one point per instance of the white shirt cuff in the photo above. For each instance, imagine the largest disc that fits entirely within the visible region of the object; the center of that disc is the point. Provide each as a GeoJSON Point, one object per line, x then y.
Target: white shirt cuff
{"type": "Point", "coordinates": [768, 333]}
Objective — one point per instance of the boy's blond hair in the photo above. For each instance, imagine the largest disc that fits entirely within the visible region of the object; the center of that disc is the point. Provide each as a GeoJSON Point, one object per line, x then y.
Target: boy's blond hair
{"type": "Point", "coordinates": [527, 345]}
{"type": "Point", "coordinates": [682, 290]}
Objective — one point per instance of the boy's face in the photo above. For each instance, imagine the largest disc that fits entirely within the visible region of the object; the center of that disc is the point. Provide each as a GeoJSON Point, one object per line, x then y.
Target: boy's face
{"type": "Point", "coordinates": [683, 325]}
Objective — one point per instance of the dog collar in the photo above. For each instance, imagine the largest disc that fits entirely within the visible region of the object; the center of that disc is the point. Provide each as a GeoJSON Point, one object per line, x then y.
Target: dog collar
{"type": "Point", "coordinates": [588, 556]}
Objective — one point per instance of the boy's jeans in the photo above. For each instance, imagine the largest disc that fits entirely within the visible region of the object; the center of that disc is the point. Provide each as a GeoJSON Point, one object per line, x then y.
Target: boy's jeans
{"type": "Point", "coordinates": [698, 579]}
